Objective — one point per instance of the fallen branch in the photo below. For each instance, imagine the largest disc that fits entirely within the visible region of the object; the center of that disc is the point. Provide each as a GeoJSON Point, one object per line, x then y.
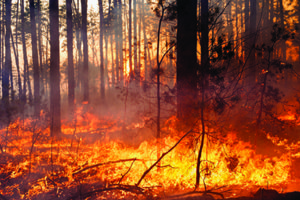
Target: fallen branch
{"type": "Point", "coordinates": [197, 192]}
{"type": "Point", "coordinates": [105, 163]}
{"type": "Point", "coordinates": [127, 188]}
{"type": "Point", "coordinates": [126, 172]}
{"type": "Point", "coordinates": [161, 157]}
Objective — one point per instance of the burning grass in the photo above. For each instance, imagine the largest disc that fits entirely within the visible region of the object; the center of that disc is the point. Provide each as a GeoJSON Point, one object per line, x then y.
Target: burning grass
{"type": "Point", "coordinates": [88, 162]}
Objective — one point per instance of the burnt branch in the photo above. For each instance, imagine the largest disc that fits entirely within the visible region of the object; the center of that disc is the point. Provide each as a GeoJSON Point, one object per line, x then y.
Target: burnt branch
{"type": "Point", "coordinates": [127, 171]}
{"type": "Point", "coordinates": [127, 188]}
{"type": "Point", "coordinates": [161, 157]}
{"type": "Point", "coordinates": [105, 163]}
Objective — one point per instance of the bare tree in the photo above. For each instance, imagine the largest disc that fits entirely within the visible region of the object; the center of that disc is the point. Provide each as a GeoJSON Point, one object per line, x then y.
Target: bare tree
{"type": "Point", "coordinates": [102, 83]}
{"type": "Point", "coordinates": [71, 80]}
{"type": "Point", "coordinates": [186, 56]}
{"type": "Point", "coordinates": [85, 52]}
{"type": "Point", "coordinates": [7, 65]}
{"type": "Point", "coordinates": [55, 116]}
{"type": "Point", "coordinates": [36, 72]}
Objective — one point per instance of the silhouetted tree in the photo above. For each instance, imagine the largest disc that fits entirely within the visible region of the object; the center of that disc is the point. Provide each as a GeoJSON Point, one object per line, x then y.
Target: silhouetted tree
{"type": "Point", "coordinates": [71, 81]}
{"type": "Point", "coordinates": [85, 51]}
{"type": "Point", "coordinates": [7, 65]}
{"type": "Point", "coordinates": [36, 72]}
{"type": "Point", "coordinates": [26, 80]}
{"type": "Point", "coordinates": [55, 117]}
{"type": "Point", "coordinates": [186, 57]}
{"type": "Point", "coordinates": [102, 83]}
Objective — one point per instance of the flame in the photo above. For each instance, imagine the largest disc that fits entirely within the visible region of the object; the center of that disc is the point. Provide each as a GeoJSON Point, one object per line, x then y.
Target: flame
{"type": "Point", "coordinates": [127, 69]}
{"type": "Point", "coordinates": [83, 156]}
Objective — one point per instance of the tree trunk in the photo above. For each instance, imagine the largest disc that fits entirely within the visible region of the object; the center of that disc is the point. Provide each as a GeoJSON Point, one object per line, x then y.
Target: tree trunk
{"type": "Point", "coordinates": [102, 83]}
{"type": "Point", "coordinates": [121, 42]}
{"type": "Point", "coordinates": [36, 73]}
{"type": "Point", "coordinates": [26, 71]}
{"type": "Point", "coordinates": [78, 42]}
{"type": "Point", "coordinates": [113, 78]}
{"type": "Point", "coordinates": [7, 65]}
{"type": "Point", "coordinates": [17, 65]}
{"type": "Point", "coordinates": [136, 69]}
{"type": "Point", "coordinates": [283, 47]}
{"type": "Point", "coordinates": [139, 40]}
{"type": "Point", "coordinates": [42, 84]}
{"type": "Point", "coordinates": [204, 66]}
{"type": "Point", "coordinates": [1, 44]}
{"type": "Point", "coordinates": [130, 40]}
{"type": "Point", "coordinates": [71, 80]}
{"type": "Point", "coordinates": [252, 40]}
{"type": "Point", "coordinates": [17, 52]}
{"type": "Point", "coordinates": [85, 72]}
{"type": "Point", "coordinates": [186, 57]}
{"type": "Point", "coordinates": [145, 42]}
{"type": "Point", "coordinates": [55, 118]}
{"type": "Point", "coordinates": [117, 39]}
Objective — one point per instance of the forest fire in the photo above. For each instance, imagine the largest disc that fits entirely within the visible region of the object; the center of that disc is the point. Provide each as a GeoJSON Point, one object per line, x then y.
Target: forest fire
{"type": "Point", "coordinates": [87, 161]}
{"type": "Point", "coordinates": [150, 99]}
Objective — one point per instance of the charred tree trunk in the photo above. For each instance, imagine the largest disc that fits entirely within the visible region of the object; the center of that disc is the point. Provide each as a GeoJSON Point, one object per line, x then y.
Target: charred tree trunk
{"type": "Point", "coordinates": [139, 39]}
{"type": "Point", "coordinates": [78, 46]}
{"type": "Point", "coordinates": [14, 45]}
{"type": "Point", "coordinates": [186, 58]}
{"type": "Point", "coordinates": [17, 52]}
{"type": "Point", "coordinates": [145, 42]}
{"type": "Point", "coordinates": [55, 118]}
{"type": "Point", "coordinates": [130, 39]}
{"type": "Point", "coordinates": [158, 63]}
{"type": "Point", "coordinates": [26, 71]}
{"type": "Point", "coordinates": [85, 72]}
{"type": "Point", "coordinates": [204, 66]}
{"type": "Point", "coordinates": [283, 47]}
{"type": "Point", "coordinates": [7, 65]}
{"type": "Point", "coordinates": [42, 74]}
{"type": "Point", "coordinates": [136, 69]}
{"type": "Point", "coordinates": [36, 73]}
{"type": "Point", "coordinates": [102, 83]}
{"type": "Point", "coordinates": [113, 78]}
{"type": "Point", "coordinates": [252, 40]}
{"type": "Point", "coordinates": [121, 42]}
{"type": "Point", "coordinates": [1, 44]}
{"type": "Point", "coordinates": [117, 39]}
{"type": "Point", "coordinates": [71, 80]}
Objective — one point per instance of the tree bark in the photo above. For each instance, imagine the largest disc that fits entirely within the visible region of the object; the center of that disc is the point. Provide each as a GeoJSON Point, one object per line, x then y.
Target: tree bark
{"type": "Point", "coordinates": [17, 52]}
{"type": "Point", "coordinates": [204, 66]}
{"type": "Point", "coordinates": [85, 52]}
{"type": "Point", "coordinates": [36, 73]}
{"type": "Point", "coordinates": [136, 69]}
{"type": "Point", "coordinates": [71, 80]}
{"type": "Point", "coordinates": [145, 42]}
{"type": "Point", "coordinates": [130, 39]}
{"type": "Point", "coordinates": [7, 65]}
{"type": "Point", "coordinates": [55, 117]}
{"type": "Point", "coordinates": [42, 74]}
{"type": "Point", "coordinates": [25, 60]}
{"type": "Point", "coordinates": [186, 57]}
{"type": "Point", "coordinates": [17, 65]}
{"type": "Point", "coordinates": [117, 39]}
{"type": "Point", "coordinates": [121, 42]}
{"type": "Point", "coordinates": [102, 83]}
{"type": "Point", "coordinates": [283, 47]}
